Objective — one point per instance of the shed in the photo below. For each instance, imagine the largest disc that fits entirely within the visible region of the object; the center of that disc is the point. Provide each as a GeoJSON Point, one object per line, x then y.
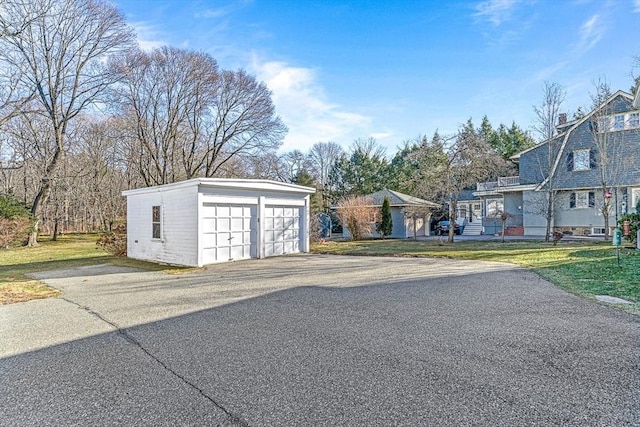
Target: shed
{"type": "Point", "coordinates": [208, 220]}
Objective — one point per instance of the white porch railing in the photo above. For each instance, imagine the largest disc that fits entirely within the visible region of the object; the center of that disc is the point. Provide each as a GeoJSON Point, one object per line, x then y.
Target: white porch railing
{"type": "Point", "coordinates": [503, 181]}
{"type": "Point", "coordinates": [507, 181]}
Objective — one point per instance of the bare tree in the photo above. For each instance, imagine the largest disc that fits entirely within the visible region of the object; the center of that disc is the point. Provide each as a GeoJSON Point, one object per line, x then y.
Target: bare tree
{"type": "Point", "coordinates": [291, 164]}
{"type": "Point", "coordinates": [609, 154]}
{"type": "Point", "coordinates": [322, 157]}
{"type": "Point", "coordinates": [545, 125]}
{"type": "Point", "coordinates": [59, 55]}
{"type": "Point", "coordinates": [186, 118]}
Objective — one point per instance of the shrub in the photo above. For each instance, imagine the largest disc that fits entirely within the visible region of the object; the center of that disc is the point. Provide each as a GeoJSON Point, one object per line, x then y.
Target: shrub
{"type": "Point", "coordinates": [15, 231]}
{"type": "Point", "coordinates": [356, 213]}
{"type": "Point", "coordinates": [114, 241]}
{"type": "Point", "coordinates": [634, 225]}
{"type": "Point", "coordinates": [15, 222]}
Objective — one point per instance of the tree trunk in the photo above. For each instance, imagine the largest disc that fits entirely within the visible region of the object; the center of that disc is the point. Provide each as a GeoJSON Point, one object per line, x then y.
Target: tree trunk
{"type": "Point", "coordinates": [606, 225]}
{"type": "Point", "coordinates": [549, 215]}
{"type": "Point", "coordinates": [36, 210]}
{"type": "Point", "coordinates": [54, 235]}
{"type": "Point", "coordinates": [453, 206]}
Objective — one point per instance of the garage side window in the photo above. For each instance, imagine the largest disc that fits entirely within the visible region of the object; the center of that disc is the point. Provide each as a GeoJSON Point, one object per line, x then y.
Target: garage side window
{"type": "Point", "coordinates": [155, 222]}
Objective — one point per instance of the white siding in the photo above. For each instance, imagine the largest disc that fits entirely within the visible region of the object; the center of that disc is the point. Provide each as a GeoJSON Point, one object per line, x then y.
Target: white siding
{"type": "Point", "coordinates": [215, 220]}
{"type": "Point", "coordinates": [179, 239]}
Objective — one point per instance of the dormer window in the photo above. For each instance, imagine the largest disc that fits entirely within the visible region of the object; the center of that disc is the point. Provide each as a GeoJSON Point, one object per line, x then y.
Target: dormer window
{"type": "Point", "coordinates": [634, 120]}
{"type": "Point", "coordinates": [618, 122]}
{"type": "Point", "coordinates": [581, 160]}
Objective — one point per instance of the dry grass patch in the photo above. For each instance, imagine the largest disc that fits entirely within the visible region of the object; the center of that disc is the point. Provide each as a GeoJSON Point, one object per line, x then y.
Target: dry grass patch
{"type": "Point", "coordinates": [75, 250]}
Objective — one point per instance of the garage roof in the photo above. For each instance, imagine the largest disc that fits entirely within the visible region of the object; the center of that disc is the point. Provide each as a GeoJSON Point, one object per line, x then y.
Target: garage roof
{"type": "Point", "coordinates": [227, 183]}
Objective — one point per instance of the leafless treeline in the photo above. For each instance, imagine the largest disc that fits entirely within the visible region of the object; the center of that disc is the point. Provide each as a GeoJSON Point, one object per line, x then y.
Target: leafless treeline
{"type": "Point", "coordinates": [85, 114]}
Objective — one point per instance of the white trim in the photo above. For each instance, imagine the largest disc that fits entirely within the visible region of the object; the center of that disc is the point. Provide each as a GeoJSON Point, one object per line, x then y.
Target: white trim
{"type": "Point", "coordinates": [242, 184]}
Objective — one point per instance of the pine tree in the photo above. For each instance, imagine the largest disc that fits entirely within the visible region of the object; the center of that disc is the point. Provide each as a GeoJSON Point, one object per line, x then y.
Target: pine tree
{"type": "Point", "coordinates": [385, 226]}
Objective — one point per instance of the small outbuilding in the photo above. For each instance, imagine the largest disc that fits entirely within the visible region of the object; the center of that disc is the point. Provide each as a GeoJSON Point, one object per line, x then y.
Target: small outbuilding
{"type": "Point", "coordinates": [410, 215]}
{"type": "Point", "coordinates": [209, 220]}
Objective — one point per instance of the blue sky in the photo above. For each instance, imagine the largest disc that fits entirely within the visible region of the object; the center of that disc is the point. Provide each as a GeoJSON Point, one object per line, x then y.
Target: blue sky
{"type": "Point", "coordinates": [394, 70]}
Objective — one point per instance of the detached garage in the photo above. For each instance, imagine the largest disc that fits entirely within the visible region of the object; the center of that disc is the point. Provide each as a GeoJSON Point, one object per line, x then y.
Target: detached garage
{"type": "Point", "coordinates": [209, 220]}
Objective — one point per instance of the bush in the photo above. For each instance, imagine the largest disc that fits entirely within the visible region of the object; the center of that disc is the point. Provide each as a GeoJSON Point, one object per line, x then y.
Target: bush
{"type": "Point", "coordinates": [356, 214]}
{"type": "Point", "coordinates": [385, 226]}
{"type": "Point", "coordinates": [114, 241]}
{"type": "Point", "coordinates": [15, 222]}
{"type": "Point", "coordinates": [634, 225]}
{"type": "Point", "coordinates": [15, 231]}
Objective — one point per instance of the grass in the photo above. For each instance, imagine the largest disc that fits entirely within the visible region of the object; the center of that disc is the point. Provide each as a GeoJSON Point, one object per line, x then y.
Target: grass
{"type": "Point", "coordinates": [582, 268]}
{"type": "Point", "coordinates": [68, 251]}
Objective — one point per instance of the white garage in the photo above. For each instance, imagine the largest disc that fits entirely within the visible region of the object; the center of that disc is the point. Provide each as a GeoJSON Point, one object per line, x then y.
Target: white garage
{"type": "Point", "coordinates": [209, 220]}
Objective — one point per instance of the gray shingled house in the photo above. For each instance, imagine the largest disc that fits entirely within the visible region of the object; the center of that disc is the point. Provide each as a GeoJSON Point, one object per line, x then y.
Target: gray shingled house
{"type": "Point", "coordinates": [571, 163]}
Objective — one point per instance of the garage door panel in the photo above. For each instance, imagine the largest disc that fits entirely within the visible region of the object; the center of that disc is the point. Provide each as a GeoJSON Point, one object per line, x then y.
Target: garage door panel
{"type": "Point", "coordinates": [208, 225]}
{"type": "Point", "coordinates": [209, 240]}
{"type": "Point", "coordinates": [223, 224]}
{"type": "Point", "coordinates": [282, 230]}
{"type": "Point", "coordinates": [237, 224]}
{"type": "Point", "coordinates": [228, 232]}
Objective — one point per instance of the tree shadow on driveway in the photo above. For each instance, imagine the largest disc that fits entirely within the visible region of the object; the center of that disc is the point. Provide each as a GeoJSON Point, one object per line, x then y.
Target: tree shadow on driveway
{"type": "Point", "coordinates": [496, 348]}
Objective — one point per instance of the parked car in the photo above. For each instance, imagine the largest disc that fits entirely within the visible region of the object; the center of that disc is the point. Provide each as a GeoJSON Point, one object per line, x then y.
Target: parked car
{"type": "Point", "coordinates": [443, 228]}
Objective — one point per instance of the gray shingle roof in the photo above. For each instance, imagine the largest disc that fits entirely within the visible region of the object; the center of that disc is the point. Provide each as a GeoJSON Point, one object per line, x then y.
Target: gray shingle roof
{"type": "Point", "coordinates": [398, 199]}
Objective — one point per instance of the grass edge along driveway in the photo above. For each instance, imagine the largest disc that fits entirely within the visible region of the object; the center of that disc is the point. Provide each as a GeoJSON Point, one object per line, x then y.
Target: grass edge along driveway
{"type": "Point", "coordinates": [73, 250]}
{"type": "Point", "coordinates": [580, 267]}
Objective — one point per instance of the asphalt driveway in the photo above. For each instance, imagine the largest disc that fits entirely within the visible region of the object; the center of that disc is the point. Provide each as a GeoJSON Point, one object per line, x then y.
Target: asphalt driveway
{"type": "Point", "coordinates": [317, 340]}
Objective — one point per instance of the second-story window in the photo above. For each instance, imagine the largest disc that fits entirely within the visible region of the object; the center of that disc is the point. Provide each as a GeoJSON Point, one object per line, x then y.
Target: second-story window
{"type": "Point", "coordinates": [618, 122]}
{"type": "Point", "coordinates": [634, 120]}
{"type": "Point", "coordinates": [581, 160]}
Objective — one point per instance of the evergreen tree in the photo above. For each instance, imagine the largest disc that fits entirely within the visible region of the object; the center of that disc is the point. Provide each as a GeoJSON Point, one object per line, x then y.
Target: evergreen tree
{"type": "Point", "coordinates": [385, 226]}
{"type": "Point", "coordinates": [315, 201]}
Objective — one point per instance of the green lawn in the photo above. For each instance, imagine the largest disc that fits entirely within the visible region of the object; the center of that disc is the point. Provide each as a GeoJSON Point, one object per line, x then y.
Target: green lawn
{"type": "Point", "coordinates": [583, 268]}
{"type": "Point", "coordinates": [68, 251]}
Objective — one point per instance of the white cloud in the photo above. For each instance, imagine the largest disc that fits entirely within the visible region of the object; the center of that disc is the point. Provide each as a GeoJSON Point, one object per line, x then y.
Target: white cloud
{"type": "Point", "coordinates": [495, 11]}
{"type": "Point", "coordinates": [147, 35]}
{"type": "Point", "coordinates": [302, 104]}
{"type": "Point", "coordinates": [380, 135]}
{"type": "Point", "coordinates": [636, 6]}
{"type": "Point", "coordinates": [549, 72]}
{"type": "Point", "coordinates": [223, 10]}
{"type": "Point", "coordinates": [590, 33]}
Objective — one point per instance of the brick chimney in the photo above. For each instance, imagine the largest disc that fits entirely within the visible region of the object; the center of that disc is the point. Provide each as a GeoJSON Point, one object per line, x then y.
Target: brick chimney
{"type": "Point", "coordinates": [562, 119]}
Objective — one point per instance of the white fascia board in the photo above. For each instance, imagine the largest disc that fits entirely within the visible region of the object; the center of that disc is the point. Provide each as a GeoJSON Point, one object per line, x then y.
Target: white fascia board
{"type": "Point", "coordinates": [255, 184]}
{"type": "Point", "coordinates": [240, 184]}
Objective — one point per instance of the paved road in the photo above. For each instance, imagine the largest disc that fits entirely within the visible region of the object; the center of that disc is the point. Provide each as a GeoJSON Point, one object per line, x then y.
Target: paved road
{"type": "Point", "coordinates": [317, 340]}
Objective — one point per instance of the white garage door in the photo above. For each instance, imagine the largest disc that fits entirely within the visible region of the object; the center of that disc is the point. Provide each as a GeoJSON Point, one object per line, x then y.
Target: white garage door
{"type": "Point", "coordinates": [282, 230]}
{"type": "Point", "coordinates": [228, 232]}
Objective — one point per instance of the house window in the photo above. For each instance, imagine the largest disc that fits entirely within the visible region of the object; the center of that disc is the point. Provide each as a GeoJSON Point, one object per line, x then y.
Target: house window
{"type": "Point", "coordinates": [597, 231]}
{"type": "Point", "coordinates": [634, 120]}
{"type": "Point", "coordinates": [494, 207]}
{"type": "Point", "coordinates": [156, 223]}
{"type": "Point", "coordinates": [581, 160]}
{"type": "Point", "coordinates": [635, 200]}
{"type": "Point", "coordinates": [582, 200]}
{"type": "Point", "coordinates": [618, 122]}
